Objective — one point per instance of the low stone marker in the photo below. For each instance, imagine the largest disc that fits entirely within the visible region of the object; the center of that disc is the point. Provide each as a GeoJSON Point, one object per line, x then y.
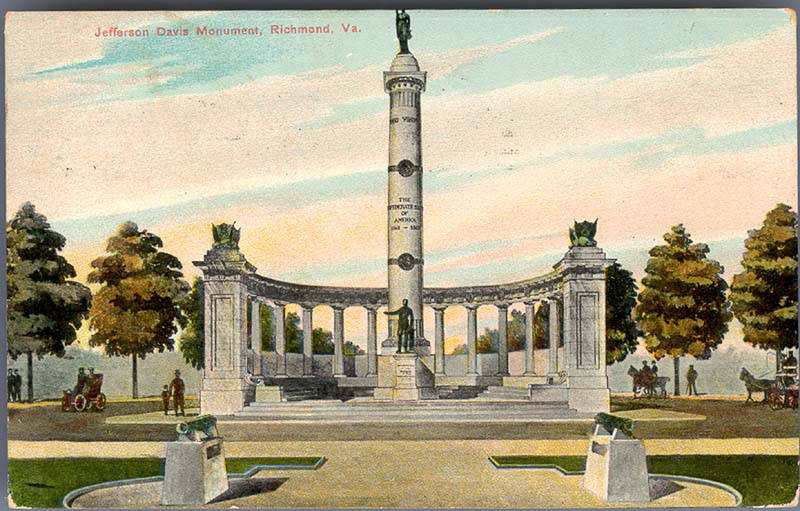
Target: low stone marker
{"type": "Point", "coordinates": [616, 464]}
{"type": "Point", "coordinates": [194, 472]}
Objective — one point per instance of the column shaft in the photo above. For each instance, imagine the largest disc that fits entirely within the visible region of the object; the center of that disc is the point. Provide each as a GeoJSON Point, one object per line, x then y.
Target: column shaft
{"type": "Point", "coordinates": [529, 351]}
{"type": "Point", "coordinates": [338, 341]}
{"type": "Point", "coordinates": [553, 338]}
{"type": "Point", "coordinates": [438, 358]}
{"type": "Point", "coordinates": [280, 340]}
{"type": "Point", "coordinates": [472, 340]}
{"type": "Point", "coordinates": [372, 341]}
{"type": "Point", "coordinates": [255, 335]}
{"type": "Point", "coordinates": [308, 343]}
{"type": "Point", "coordinates": [502, 340]}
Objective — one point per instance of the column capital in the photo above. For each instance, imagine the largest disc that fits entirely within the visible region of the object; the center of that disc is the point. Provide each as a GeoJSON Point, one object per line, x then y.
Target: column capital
{"type": "Point", "coordinates": [337, 307]}
{"type": "Point", "coordinates": [372, 308]}
{"type": "Point", "coordinates": [502, 305]}
{"type": "Point", "coordinates": [439, 308]}
{"type": "Point", "coordinates": [279, 305]}
{"type": "Point", "coordinates": [531, 302]}
{"type": "Point", "coordinates": [307, 306]}
{"type": "Point", "coordinates": [472, 306]}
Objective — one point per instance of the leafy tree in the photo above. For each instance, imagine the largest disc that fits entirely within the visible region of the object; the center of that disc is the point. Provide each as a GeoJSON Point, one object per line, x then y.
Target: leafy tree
{"type": "Point", "coordinates": [322, 341]}
{"type": "Point", "coordinates": [541, 326]}
{"type": "Point", "coordinates": [621, 330]}
{"type": "Point", "coordinates": [44, 309]}
{"type": "Point", "coordinates": [764, 295]}
{"type": "Point", "coordinates": [136, 311]}
{"type": "Point", "coordinates": [192, 338]}
{"type": "Point", "coordinates": [682, 307]}
{"type": "Point", "coordinates": [265, 316]}
{"type": "Point", "coordinates": [487, 341]}
{"type": "Point", "coordinates": [293, 333]}
{"type": "Point", "coordinates": [461, 349]}
{"type": "Point", "coordinates": [516, 331]}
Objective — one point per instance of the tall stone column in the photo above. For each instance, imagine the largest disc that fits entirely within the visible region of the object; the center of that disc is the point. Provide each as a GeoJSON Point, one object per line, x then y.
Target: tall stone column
{"type": "Point", "coordinates": [530, 368]}
{"type": "Point", "coordinates": [584, 296]}
{"type": "Point", "coordinates": [279, 312]}
{"type": "Point", "coordinates": [308, 340]}
{"type": "Point", "coordinates": [338, 341]}
{"type": "Point", "coordinates": [255, 335]}
{"type": "Point", "coordinates": [372, 340]}
{"type": "Point", "coordinates": [225, 276]}
{"type": "Point", "coordinates": [438, 357]}
{"type": "Point", "coordinates": [555, 328]}
{"type": "Point", "coordinates": [502, 339]}
{"type": "Point", "coordinates": [404, 82]}
{"type": "Point", "coordinates": [472, 340]}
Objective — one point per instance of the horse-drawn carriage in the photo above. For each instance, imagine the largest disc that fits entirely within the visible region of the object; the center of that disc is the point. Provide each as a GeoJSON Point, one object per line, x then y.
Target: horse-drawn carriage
{"type": "Point", "coordinates": [783, 391]}
{"type": "Point", "coordinates": [87, 397]}
{"type": "Point", "coordinates": [648, 384]}
{"type": "Point", "coordinates": [780, 392]}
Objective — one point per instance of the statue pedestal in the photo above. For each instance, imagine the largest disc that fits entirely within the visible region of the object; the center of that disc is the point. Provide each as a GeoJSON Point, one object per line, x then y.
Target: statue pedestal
{"type": "Point", "coordinates": [616, 467]}
{"type": "Point", "coordinates": [194, 472]}
{"type": "Point", "coordinates": [403, 377]}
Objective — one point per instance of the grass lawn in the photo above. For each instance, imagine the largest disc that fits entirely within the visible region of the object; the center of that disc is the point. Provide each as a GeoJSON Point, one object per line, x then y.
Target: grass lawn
{"type": "Point", "coordinates": [44, 482]}
{"type": "Point", "coordinates": [760, 479]}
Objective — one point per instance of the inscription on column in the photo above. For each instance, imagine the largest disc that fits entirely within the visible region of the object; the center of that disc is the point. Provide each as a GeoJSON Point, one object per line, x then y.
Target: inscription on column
{"type": "Point", "coordinates": [587, 330]}
{"type": "Point", "coordinates": [405, 214]}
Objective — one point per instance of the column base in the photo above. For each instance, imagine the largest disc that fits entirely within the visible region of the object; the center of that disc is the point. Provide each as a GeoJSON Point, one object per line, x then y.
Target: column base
{"type": "Point", "coordinates": [589, 394]}
{"type": "Point", "coordinates": [215, 399]}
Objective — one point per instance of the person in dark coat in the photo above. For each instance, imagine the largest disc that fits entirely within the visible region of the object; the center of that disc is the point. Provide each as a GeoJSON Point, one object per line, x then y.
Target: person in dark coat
{"type": "Point", "coordinates": [11, 384]}
{"type": "Point", "coordinates": [691, 378]}
{"type": "Point", "coordinates": [81, 382]}
{"type": "Point", "coordinates": [177, 388]}
{"type": "Point", "coordinates": [17, 385]}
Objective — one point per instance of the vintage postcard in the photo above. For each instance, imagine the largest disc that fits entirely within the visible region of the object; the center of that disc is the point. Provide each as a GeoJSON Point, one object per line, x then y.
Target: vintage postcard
{"type": "Point", "coordinates": [402, 259]}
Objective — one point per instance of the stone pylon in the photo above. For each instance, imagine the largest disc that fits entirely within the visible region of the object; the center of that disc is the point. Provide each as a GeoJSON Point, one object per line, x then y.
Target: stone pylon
{"type": "Point", "coordinates": [404, 82]}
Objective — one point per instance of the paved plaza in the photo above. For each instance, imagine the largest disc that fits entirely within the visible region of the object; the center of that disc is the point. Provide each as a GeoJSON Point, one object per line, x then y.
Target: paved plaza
{"type": "Point", "coordinates": [422, 474]}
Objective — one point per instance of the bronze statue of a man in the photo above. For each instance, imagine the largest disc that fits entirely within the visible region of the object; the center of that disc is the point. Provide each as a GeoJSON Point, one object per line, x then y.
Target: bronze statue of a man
{"type": "Point", "coordinates": [403, 22]}
{"type": "Point", "coordinates": [405, 320]}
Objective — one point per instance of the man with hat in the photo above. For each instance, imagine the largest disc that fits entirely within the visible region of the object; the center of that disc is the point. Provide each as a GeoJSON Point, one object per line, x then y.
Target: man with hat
{"type": "Point", "coordinates": [176, 388]}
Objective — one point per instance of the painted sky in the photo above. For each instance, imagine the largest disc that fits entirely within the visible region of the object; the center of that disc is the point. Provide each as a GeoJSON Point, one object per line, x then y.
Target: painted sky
{"type": "Point", "coordinates": [531, 119]}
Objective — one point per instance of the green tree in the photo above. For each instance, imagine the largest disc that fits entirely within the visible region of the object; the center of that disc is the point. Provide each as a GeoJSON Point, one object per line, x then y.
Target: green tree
{"type": "Point", "coordinates": [322, 341]}
{"type": "Point", "coordinates": [621, 330]}
{"type": "Point", "coordinates": [461, 349]}
{"type": "Point", "coordinates": [136, 311]}
{"type": "Point", "coordinates": [265, 316]}
{"type": "Point", "coordinates": [516, 331]}
{"type": "Point", "coordinates": [192, 338]}
{"type": "Point", "coordinates": [487, 341]}
{"type": "Point", "coordinates": [682, 306]}
{"type": "Point", "coordinates": [293, 334]}
{"type": "Point", "coordinates": [764, 294]}
{"type": "Point", "coordinates": [541, 326]}
{"type": "Point", "coordinates": [44, 309]}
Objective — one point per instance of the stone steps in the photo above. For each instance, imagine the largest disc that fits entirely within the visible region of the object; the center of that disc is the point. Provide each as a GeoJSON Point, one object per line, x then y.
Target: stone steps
{"type": "Point", "coordinates": [505, 393]}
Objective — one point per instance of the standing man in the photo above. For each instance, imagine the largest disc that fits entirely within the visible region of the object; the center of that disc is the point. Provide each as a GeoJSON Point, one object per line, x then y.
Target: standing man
{"type": "Point", "coordinates": [17, 385]}
{"type": "Point", "coordinates": [691, 378]}
{"type": "Point", "coordinates": [11, 383]}
{"type": "Point", "coordinates": [405, 318]}
{"type": "Point", "coordinates": [654, 369]}
{"type": "Point", "coordinates": [176, 388]}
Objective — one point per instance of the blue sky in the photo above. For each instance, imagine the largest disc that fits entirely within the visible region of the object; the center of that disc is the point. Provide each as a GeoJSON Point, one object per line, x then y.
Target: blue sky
{"type": "Point", "coordinates": [531, 119]}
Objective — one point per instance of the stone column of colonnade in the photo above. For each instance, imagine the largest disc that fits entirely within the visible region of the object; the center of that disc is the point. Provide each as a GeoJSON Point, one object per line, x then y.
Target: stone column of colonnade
{"type": "Point", "coordinates": [338, 341]}
{"type": "Point", "coordinates": [502, 339]}
{"type": "Point", "coordinates": [372, 340]}
{"type": "Point", "coordinates": [530, 311]}
{"type": "Point", "coordinates": [279, 314]}
{"type": "Point", "coordinates": [555, 328]}
{"type": "Point", "coordinates": [438, 357]}
{"type": "Point", "coordinates": [308, 345]}
{"type": "Point", "coordinates": [255, 335]}
{"type": "Point", "coordinates": [472, 340]}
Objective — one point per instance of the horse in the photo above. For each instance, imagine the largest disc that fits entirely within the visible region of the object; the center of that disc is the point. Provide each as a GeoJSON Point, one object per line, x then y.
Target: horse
{"type": "Point", "coordinates": [753, 384]}
{"type": "Point", "coordinates": [647, 384]}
